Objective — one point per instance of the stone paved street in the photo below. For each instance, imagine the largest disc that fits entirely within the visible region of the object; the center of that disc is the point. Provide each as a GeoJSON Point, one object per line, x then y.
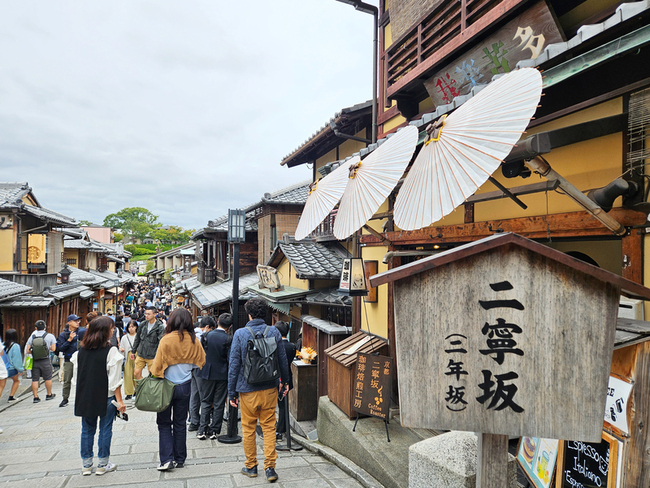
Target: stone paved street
{"type": "Point", "coordinates": [40, 448]}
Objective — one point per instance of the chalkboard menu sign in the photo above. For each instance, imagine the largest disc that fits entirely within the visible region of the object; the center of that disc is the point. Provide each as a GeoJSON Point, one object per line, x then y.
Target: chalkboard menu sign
{"type": "Point", "coordinates": [372, 385]}
{"type": "Point", "coordinates": [589, 464]}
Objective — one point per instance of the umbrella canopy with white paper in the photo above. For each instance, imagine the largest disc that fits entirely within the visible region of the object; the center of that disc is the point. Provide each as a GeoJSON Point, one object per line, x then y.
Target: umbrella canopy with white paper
{"type": "Point", "coordinates": [324, 194]}
{"type": "Point", "coordinates": [464, 149]}
{"type": "Point", "coordinates": [372, 180]}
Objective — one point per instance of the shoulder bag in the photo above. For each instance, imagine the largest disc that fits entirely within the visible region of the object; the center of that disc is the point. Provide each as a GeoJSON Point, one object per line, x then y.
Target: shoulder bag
{"type": "Point", "coordinates": [153, 394]}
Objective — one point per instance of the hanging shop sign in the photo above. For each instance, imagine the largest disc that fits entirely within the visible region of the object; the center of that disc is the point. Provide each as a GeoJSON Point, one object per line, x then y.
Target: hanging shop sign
{"type": "Point", "coordinates": [522, 38]}
{"type": "Point", "coordinates": [269, 278]}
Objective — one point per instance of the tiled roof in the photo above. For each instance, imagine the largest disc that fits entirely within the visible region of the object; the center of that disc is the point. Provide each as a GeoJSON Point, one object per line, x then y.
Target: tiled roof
{"type": "Point", "coordinates": [292, 195]}
{"type": "Point", "coordinates": [80, 276]}
{"type": "Point", "coordinates": [110, 276]}
{"type": "Point", "coordinates": [69, 243]}
{"type": "Point", "coordinates": [175, 251]}
{"type": "Point", "coordinates": [329, 297]}
{"type": "Point", "coordinates": [28, 301]}
{"type": "Point", "coordinates": [312, 260]}
{"type": "Point", "coordinates": [10, 289]}
{"type": "Point", "coordinates": [327, 127]}
{"type": "Point", "coordinates": [12, 193]}
{"type": "Point", "coordinates": [64, 291]}
{"type": "Point", "coordinates": [211, 295]}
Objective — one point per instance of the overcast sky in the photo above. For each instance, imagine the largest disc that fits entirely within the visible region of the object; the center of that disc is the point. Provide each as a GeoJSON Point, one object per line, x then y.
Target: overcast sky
{"type": "Point", "coordinates": [185, 108]}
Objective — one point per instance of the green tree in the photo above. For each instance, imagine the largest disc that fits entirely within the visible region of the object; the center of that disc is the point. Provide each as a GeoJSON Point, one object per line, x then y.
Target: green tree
{"type": "Point", "coordinates": [85, 222]}
{"type": "Point", "coordinates": [135, 222]}
{"type": "Point", "coordinates": [172, 235]}
{"type": "Point", "coordinates": [117, 237]}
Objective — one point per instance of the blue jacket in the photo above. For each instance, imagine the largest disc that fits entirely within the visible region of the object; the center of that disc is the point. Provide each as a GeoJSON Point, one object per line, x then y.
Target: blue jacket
{"type": "Point", "coordinates": [236, 381]}
{"type": "Point", "coordinates": [216, 355]}
{"type": "Point", "coordinates": [68, 348]}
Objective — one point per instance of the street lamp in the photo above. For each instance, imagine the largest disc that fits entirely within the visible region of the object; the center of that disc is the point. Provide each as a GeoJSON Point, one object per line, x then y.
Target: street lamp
{"type": "Point", "coordinates": [116, 284]}
{"type": "Point", "coordinates": [374, 11]}
{"type": "Point", "coordinates": [236, 235]}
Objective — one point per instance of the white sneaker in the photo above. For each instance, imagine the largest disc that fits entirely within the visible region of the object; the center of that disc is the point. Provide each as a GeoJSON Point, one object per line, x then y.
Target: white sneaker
{"type": "Point", "coordinates": [106, 469]}
{"type": "Point", "coordinates": [168, 465]}
{"type": "Point", "coordinates": [1, 431]}
{"type": "Point", "coordinates": [87, 471]}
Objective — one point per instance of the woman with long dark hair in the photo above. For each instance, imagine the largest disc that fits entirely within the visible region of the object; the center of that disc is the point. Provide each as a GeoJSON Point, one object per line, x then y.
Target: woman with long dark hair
{"type": "Point", "coordinates": [97, 373]}
{"type": "Point", "coordinates": [179, 352]}
{"type": "Point", "coordinates": [14, 358]}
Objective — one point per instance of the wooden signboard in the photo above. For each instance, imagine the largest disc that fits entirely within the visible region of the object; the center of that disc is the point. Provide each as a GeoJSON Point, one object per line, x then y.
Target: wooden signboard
{"type": "Point", "coordinates": [503, 339]}
{"type": "Point", "coordinates": [522, 38]}
{"type": "Point", "coordinates": [589, 464]}
{"type": "Point", "coordinates": [268, 277]}
{"type": "Point", "coordinates": [372, 385]}
{"type": "Point", "coordinates": [537, 459]}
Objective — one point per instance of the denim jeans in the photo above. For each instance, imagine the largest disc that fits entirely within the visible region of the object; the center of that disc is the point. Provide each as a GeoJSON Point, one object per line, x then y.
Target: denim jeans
{"type": "Point", "coordinates": [88, 428]}
{"type": "Point", "coordinates": [172, 428]}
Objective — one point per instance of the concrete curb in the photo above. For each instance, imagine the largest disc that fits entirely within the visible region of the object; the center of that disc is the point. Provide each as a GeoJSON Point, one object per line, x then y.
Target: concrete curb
{"type": "Point", "coordinates": [21, 396]}
{"type": "Point", "coordinates": [358, 473]}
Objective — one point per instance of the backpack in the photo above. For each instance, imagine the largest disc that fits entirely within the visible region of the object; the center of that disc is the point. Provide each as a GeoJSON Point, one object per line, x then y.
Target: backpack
{"type": "Point", "coordinates": [261, 363]}
{"type": "Point", "coordinates": [39, 347]}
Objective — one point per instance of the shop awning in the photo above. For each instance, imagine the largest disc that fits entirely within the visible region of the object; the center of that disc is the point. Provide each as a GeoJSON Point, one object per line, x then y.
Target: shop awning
{"type": "Point", "coordinates": [87, 294]}
{"type": "Point", "coordinates": [287, 293]}
{"type": "Point", "coordinates": [326, 326]}
{"type": "Point", "coordinates": [28, 301]}
{"type": "Point", "coordinates": [212, 295]}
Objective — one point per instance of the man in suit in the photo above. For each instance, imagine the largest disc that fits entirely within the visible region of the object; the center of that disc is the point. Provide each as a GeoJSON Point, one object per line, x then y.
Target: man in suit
{"type": "Point", "coordinates": [290, 349]}
{"type": "Point", "coordinates": [214, 375]}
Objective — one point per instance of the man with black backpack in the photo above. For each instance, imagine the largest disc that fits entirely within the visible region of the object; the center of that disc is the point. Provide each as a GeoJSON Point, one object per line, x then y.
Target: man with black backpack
{"type": "Point", "coordinates": [39, 344]}
{"type": "Point", "coordinates": [258, 368]}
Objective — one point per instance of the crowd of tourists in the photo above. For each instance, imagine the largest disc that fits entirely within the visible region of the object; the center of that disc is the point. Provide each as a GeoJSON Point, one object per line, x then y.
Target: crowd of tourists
{"type": "Point", "coordinates": [208, 365]}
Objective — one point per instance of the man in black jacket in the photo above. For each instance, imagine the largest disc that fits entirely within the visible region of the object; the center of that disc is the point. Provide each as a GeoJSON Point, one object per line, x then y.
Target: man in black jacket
{"type": "Point", "coordinates": [290, 349]}
{"type": "Point", "coordinates": [145, 345]}
{"type": "Point", "coordinates": [67, 345]}
{"type": "Point", "coordinates": [214, 387]}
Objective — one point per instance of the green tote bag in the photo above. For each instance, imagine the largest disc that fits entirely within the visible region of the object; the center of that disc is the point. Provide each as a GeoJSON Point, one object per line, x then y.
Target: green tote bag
{"type": "Point", "coordinates": [153, 394]}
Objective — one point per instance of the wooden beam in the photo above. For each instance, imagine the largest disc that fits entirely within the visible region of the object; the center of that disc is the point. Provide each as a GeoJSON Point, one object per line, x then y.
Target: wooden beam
{"type": "Point", "coordinates": [574, 224]}
{"type": "Point", "coordinates": [376, 234]}
{"type": "Point", "coordinates": [633, 256]}
{"type": "Point", "coordinates": [415, 76]}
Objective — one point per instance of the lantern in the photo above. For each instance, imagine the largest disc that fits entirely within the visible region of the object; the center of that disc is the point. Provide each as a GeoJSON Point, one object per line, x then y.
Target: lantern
{"type": "Point", "coordinates": [353, 278]}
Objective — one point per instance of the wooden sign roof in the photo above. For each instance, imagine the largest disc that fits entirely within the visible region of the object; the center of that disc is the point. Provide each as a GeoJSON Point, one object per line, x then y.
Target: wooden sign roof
{"type": "Point", "coordinates": [627, 287]}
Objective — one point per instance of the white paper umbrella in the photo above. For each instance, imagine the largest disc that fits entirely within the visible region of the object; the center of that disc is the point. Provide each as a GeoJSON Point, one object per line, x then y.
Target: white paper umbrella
{"type": "Point", "coordinates": [323, 197]}
{"type": "Point", "coordinates": [372, 181]}
{"type": "Point", "coordinates": [464, 149]}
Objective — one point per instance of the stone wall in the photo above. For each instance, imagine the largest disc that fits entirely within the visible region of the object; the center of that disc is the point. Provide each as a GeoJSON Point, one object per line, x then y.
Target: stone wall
{"type": "Point", "coordinates": [405, 13]}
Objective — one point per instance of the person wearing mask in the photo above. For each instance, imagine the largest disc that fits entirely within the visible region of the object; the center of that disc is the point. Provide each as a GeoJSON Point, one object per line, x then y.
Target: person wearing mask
{"type": "Point", "coordinates": [13, 362]}
{"type": "Point", "coordinates": [214, 375]}
{"type": "Point", "coordinates": [67, 344]}
{"type": "Point", "coordinates": [150, 332]}
{"type": "Point", "coordinates": [178, 354]}
{"type": "Point", "coordinates": [290, 350]}
{"type": "Point", "coordinates": [126, 346]}
{"type": "Point", "coordinates": [39, 345]}
{"type": "Point", "coordinates": [98, 378]}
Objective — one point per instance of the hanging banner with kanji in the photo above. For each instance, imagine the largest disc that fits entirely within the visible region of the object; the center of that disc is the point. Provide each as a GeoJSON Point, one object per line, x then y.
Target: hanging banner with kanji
{"type": "Point", "coordinates": [372, 385]}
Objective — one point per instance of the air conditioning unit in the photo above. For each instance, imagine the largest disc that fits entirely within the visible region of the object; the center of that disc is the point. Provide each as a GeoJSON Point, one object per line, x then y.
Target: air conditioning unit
{"type": "Point", "coordinates": [630, 309]}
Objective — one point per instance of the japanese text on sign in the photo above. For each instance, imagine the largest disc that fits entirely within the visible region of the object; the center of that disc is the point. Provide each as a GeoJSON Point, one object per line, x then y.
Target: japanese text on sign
{"type": "Point", "coordinates": [372, 385]}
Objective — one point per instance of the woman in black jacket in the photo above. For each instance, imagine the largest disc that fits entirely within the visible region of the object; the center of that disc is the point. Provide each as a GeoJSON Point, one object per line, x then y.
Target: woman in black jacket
{"type": "Point", "coordinates": [98, 371]}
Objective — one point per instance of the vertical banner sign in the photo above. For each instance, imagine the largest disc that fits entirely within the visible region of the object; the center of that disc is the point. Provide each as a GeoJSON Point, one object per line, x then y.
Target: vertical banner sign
{"type": "Point", "coordinates": [372, 385]}
{"type": "Point", "coordinates": [618, 396]}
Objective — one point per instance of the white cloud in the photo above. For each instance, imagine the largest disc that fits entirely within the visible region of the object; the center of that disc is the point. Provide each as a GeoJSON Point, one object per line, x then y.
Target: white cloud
{"type": "Point", "coordinates": [185, 108]}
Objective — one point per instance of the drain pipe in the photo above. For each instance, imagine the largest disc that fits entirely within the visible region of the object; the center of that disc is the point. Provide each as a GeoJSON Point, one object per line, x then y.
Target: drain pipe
{"type": "Point", "coordinates": [541, 166]}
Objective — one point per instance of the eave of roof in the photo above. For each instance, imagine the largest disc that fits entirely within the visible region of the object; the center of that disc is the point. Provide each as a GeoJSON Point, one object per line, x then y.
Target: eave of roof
{"type": "Point", "coordinates": [342, 119]}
